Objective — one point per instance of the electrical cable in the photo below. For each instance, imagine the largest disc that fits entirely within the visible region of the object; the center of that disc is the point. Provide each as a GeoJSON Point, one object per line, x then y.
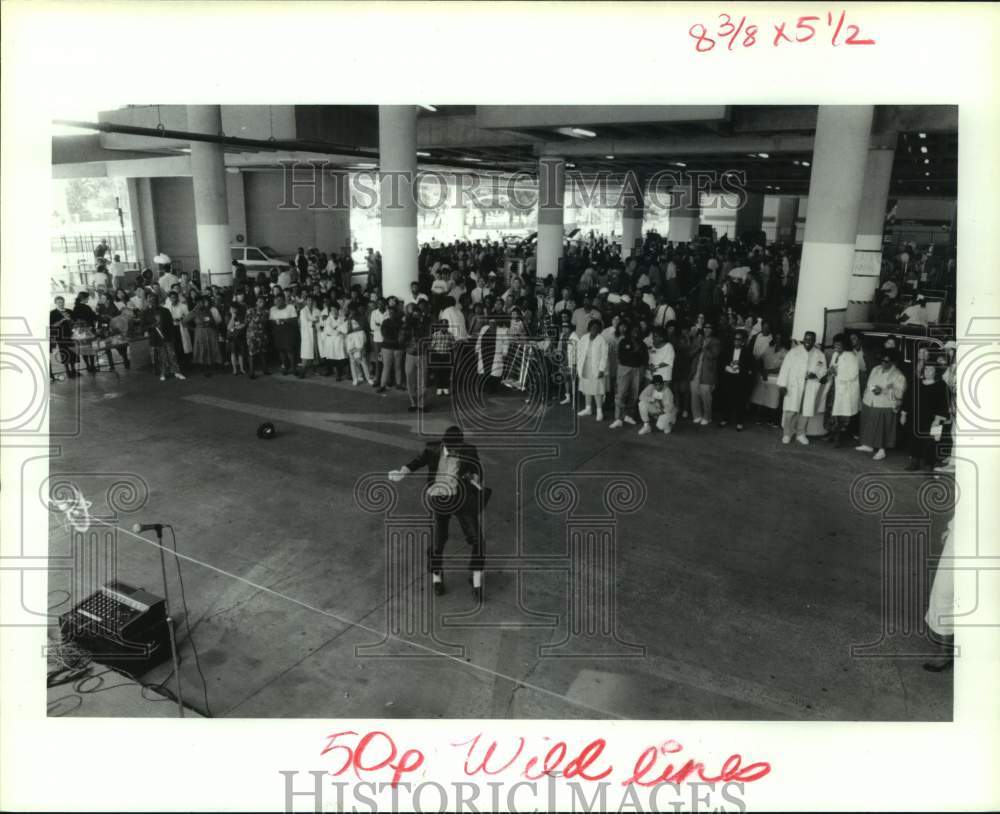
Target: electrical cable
{"type": "Point", "coordinates": [187, 621]}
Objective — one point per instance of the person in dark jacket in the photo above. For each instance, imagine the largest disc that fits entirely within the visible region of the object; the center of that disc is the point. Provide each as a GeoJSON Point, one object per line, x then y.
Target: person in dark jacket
{"type": "Point", "coordinates": [61, 335]}
{"type": "Point", "coordinates": [736, 378]}
{"type": "Point", "coordinates": [454, 488]}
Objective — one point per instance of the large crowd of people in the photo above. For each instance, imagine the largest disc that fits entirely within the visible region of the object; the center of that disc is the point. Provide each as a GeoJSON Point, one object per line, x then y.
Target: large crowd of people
{"type": "Point", "coordinates": [677, 333]}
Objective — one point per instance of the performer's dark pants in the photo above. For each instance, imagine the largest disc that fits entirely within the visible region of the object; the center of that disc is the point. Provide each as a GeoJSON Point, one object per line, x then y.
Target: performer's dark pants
{"type": "Point", "coordinates": [922, 446]}
{"type": "Point", "coordinates": [468, 516]}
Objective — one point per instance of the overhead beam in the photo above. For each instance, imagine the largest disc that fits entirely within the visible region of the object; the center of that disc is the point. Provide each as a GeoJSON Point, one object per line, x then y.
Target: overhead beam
{"type": "Point", "coordinates": [678, 147]}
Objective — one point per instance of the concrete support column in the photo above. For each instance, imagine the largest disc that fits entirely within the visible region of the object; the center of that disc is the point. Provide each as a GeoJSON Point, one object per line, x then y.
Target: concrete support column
{"type": "Point", "coordinates": [143, 220]}
{"type": "Point", "coordinates": [788, 213]}
{"type": "Point", "coordinates": [633, 209]}
{"type": "Point", "coordinates": [333, 219]}
{"type": "Point", "coordinates": [397, 144]}
{"type": "Point", "coordinates": [236, 206]}
{"type": "Point", "coordinates": [685, 213]}
{"type": "Point", "coordinates": [750, 216]}
{"type": "Point", "coordinates": [840, 153]}
{"type": "Point", "coordinates": [871, 219]}
{"type": "Point", "coordinates": [551, 193]}
{"type": "Point", "coordinates": [211, 210]}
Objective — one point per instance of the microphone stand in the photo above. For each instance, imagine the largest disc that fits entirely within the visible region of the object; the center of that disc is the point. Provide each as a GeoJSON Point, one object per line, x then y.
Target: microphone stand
{"type": "Point", "coordinates": [170, 623]}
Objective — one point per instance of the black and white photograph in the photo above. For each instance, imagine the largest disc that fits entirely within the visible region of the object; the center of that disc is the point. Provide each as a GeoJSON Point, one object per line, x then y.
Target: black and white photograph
{"type": "Point", "coordinates": [511, 406]}
{"type": "Point", "coordinates": [507, 411]}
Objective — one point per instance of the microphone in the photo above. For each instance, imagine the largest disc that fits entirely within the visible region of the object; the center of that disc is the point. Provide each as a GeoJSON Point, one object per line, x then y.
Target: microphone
{"type": "Point", "coordinates": [138, 528]}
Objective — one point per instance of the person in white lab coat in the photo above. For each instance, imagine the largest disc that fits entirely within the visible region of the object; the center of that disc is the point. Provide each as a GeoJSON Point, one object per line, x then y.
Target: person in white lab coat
{"type": "Point", "coordinates": [309, 318]}
{"type": "Point", "coordinates": [332, 337]}
{"type": "Point", "coordinates": [799, 383]}
{"type": "Point", "coordinates": [592, 369]}
{"type": "Point", "coordinates": [843, 399]}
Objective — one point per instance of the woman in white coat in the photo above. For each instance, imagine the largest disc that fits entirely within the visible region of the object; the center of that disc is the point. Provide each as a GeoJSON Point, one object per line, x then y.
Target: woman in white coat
{"type": "Point", "coordinates": [333, 341]}
{"type": "Point", "coordinates": [592, 369]}
{"type": "Point", "coordinates": [843, 400]}
{"type": "Point", "coordinates": [309, 318]}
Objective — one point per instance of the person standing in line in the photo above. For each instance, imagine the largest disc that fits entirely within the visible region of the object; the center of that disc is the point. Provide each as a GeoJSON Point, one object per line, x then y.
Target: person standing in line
{"type": "Point", "coordinates": [257, 344]}
{"type": "Point", "coordinates": [180, 335]}
{"type": "Point", "coordinates": [392, 347]}
{"type": "Point", "coordinates": [736, 379]}
{"type": "Point", "coordinates": [205, 351]}
{"type": "Point", "coordinates": [442, 357]}
{"type": "Point", "coordinates": [633, 357]}
{"type": "Point", "coordinates": [236, 338]}
{"type": "Point", "coordinates": [798, 386]}
{"type": "Point", "coordinates": [61, 333]}
{"type": "Point", "coordinates": [309, 318]}
{"type": "Point", "coordinates": [880, 405]}
{"type": "Point", "coordinates": [592, 368]}
{"type": "Point", "coordinates": [705, 351]}
{"type": "Point", "coordinates": [843, 399]}
{"type": "Point", "coordinates": [283, 319]}
{"type": "Point", "coordinates": [927, 411]}
{"type": "Point", "coordinates": [162, 344]}
{"type": "Point", "coordinates": [416, 335]}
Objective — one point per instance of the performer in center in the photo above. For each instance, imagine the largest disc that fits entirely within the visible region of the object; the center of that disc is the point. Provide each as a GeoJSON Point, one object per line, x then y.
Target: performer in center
{"type": "Point", "coordinates": [454, 488]}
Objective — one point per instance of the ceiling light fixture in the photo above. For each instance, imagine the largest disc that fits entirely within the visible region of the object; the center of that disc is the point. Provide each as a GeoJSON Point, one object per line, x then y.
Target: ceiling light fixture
{"type": "Point", "coordinates": [422, 154]}
{"type": "Point", "coordinates": [429, 108]}
{"type": "Point", "coordinates": [571, 166]}
{"type": "Point", "coordinates": [796, 162]}
{"type": "Point", "coordinates": [471, 158]}
{"type": "Point", "coordinates": [365, 166]}
{"type": "Point", "coordinates": [923, 149]}
{"type": "Point", "coordinates": [927, 174]}
{"type": "Point", "coordinates": [928, 189]}
{"type": "Point", "coordinates": [922, 135]}
{"type": "Point", "coordinates": [579, 131]}
{"type": "Point", "coordinates": [678, 163]}
{"type": "Point", "coordinates": [768, 186]}
{"type": "Point", "coordinates": [610, 157]}
{"type": "Point", "coordinates": [805, 163]}
{"type": "Point", "coordinates": [764, 155]}
{"type": "Point", "coordinates": [752, 155]}
{"type": "Point", "coordinates": [927, 161]}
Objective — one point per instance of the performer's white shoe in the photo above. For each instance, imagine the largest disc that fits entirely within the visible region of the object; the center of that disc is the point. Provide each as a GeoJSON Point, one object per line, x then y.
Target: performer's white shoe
{"type": "Point", "coordinates": [600, 415]}
{"type": "Point", "coordinates": [614, 425]}
{"type": "Point", "coordinates": [801, 438]}
{"type": "Point", "coordinates": [565, 400]}
{"type": "Point", "coordinates": [864, 448]}
{"type": "Point", "coordinates": [786, 439]}
{"type": "Point", "coordinates": [585, 411]}
{"type": "Point", "coordinates": [645, 429]}
{"type": "Point", "coordinates": [629, 420]}
{"type": "Point", "coordinates": [879, 456]}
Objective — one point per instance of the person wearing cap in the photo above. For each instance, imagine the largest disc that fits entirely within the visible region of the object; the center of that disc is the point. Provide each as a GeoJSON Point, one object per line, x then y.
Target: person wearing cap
{"type": "Point", "coordinates": [736, 379]}
{"type": "Point", "coordinates": [454, 489]}
{"type": "Point", "coordinates": [657, 400]}
{"type": "Point", "coordinates": [798, 386]}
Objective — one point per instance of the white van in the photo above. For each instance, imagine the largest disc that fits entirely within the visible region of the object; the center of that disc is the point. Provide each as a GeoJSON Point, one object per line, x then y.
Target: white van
{"type": "Point", "coordinates": [258, 258]}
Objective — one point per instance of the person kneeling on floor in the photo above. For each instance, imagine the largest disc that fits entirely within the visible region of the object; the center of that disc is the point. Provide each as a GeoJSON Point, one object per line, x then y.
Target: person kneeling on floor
{"type": "Point", "coordinates": [657, 400]}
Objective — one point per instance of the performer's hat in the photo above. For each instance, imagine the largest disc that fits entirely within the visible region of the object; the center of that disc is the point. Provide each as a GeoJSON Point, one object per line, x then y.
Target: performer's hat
{"type": "Point", "coordinates": [265, 431]}
{"type": "Point", "coordinates": [161, 259]}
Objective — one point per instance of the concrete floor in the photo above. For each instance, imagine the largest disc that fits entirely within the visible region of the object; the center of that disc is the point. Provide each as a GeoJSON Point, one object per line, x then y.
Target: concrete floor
{"type": "Point", "coordinates": [746, 576]}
